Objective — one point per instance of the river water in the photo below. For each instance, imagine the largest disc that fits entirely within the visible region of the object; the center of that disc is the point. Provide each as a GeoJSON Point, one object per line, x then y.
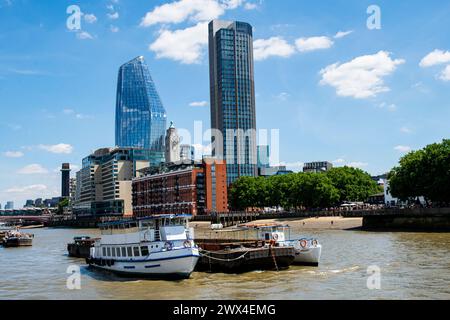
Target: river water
{"type": "Point", "coordinates": [413, 266]}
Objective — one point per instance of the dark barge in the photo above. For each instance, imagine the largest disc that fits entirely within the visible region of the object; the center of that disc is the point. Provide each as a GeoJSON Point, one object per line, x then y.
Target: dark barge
{"type": "Point", "coordinates": [243, 257]}
{"type": "Point", "coordinates": [81, 247]}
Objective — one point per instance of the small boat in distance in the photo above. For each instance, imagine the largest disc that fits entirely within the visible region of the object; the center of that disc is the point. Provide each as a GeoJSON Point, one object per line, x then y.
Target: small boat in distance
{"type": "Point", "coordinates": [16, 239]}
{"type": "Point", "coordinates": [81, 247]}
{"type": "Point", "coordinates": [158, 247]}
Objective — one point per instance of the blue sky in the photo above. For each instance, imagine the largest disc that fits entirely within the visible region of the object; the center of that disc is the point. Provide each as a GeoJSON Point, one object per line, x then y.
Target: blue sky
{"type": "Point", "coordinates": [337, 90]}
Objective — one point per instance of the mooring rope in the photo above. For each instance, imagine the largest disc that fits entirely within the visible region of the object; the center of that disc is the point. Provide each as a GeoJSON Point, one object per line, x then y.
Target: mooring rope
{"type": "Point", "coordinates": [219, 259]}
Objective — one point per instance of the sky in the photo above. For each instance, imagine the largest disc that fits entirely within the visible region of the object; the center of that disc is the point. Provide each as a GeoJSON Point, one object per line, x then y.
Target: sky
{"type": "Point", "coordinates": [342, 81]}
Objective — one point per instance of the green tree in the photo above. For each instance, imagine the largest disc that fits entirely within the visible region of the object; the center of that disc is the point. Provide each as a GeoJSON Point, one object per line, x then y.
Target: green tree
{"type": "Point", "coordinates": [352, 184]}
{"type": "Point", "coordinates": [63, 203]}
{"type": "Point", "coordinates": [425, 173]}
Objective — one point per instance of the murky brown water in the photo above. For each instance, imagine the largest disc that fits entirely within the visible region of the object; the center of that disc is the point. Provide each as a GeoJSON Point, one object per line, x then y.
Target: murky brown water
{"type": "Point", "coordinates": [413, 266]}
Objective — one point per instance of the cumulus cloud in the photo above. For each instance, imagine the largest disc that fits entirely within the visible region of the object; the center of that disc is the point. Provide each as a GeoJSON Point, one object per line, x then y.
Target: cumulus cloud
{"type": "Point", "coordinates": [342, 34]}
{"type": "Point", "coordinates": [313, 43]}
{"type": "Point", "coordinates": [61, 148]}
{"type": "Point", "coordinates": [445, 74]}
{"type": "Point", "coordinates": [198, 104]}
{"type": "Point", "coordinates": [14, 154]}
{"type": "Point", "coordinates": [363, 77]}
{"type": "Point", "coordinates": [403, 149]}
{"type": "Point", "coordinates": [90, 18]}
{"type": "Point", "coordinates": [273, 47]}
{"type": "Point", "coordinates": [83, 35]}
{"type": "Point", "coordinates": [113, 15]}
{"type": "Point", "coordinates": [435, 58]}
{"type": "Point", "coordinates": [33, 169]}
{"type": "Point", "coordinates": [184, 45]}
{"type": "Point", "coordinates": [179, 11]}
{"type": "Point", "coordinates": [27, 189]}
{"type": "Point", "coordinates": [114, 29]}
{"type": "Point", "coordinates": [357, 164]}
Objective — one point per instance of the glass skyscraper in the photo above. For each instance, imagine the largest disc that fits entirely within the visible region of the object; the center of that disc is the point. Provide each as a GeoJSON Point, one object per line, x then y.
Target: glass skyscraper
{"type": "Point", "coordinates": [232, 93]}
{"type": "Point", "coordinates": [140, 114]}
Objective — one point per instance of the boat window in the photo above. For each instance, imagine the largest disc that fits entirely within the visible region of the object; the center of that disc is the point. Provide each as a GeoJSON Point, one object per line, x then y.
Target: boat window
{"type": "Point", "coordinates": [104, 251]}
{"type": "Point", "coordinates": [136, 251]}
{"type": "Point", "coordinates": [113, 252]}
{"type": "Point", "coordinates": [144, 251]}
{"type": "Point", "coordinates": [267, 236]}
{"type": "Point", "coordinates": [109, 251]}
{"type": "Point", "coordinates": [124, 252]}
{"type": "Point", "coordinates": [129, 252]}
{"type": "Point", "coordinates": [118, 252]}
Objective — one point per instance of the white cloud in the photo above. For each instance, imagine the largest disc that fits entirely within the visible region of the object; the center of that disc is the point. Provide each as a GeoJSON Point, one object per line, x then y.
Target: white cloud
{"type": "Point", "coordinates": [251, 6]}
{"type": "Point", "coordinates": [114, 29]}
{"type": "Point", "coordinates": [283, 96]}
{"type": "Point", "coordinates": [313, 43]}
{"type": "Point", "coordinates": [14, 154]}
{"type": "Point", "coordinates": [339, 161]}
{"type": "Point", "coordinates": [362, 77]}
{"type": "Point", "coordinates": [83, 35]}
{"type": "Point", "coordinates": [342, 34]}
{"type": "Point", "coordinates": [445, 74]}
{"type": "Point", "coordinates": [184, 45]}
{"type": "Point", "coordinates": [405, 130]}
{"type": "Point", "coordinates": [113, 16]}
{"type": "Point", "coordinates": [27, 189]}
{"type": "Point", "coordinates": [390, 107]}
{"type": "Point", "coordinates": [273, 47]}
{"type": "Point", "coordinates": [68, 111]}
{"type": "Point", "coordinates": [357, 164]}
{"type": "Point", "coordinates": [403, 149]}
{"type": "Point", "coordinates": [198, 104]}
{"type": "Point", "coordinates": [33, 169]}
{"type": "Point", "coordinates": [179, 11]}
{"type": "Point", "coordinates": [90, 18]}
{"type": "Point", "coordinates": [61, 148]}
{"type": "Point", "coordinates": [435, 58]}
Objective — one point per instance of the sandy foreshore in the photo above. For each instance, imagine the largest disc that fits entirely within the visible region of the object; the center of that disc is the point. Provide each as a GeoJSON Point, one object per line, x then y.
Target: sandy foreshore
{"type": "Point", "coordinates": [321, 223]}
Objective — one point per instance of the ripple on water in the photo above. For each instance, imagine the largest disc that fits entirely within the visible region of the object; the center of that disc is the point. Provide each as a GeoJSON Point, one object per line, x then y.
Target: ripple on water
{"type": "Point", "coordinates": [413, 266]}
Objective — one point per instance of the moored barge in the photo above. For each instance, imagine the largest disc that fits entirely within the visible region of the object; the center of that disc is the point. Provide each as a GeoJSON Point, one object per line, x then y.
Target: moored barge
{"type": "Point", "coordinates": [17, 239]}
{"type": "Point", "coordinates": [81, 247]}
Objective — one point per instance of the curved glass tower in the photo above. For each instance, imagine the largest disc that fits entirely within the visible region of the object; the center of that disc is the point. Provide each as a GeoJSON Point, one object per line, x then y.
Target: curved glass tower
{"type": "Point", "coordinates": [140, 114]}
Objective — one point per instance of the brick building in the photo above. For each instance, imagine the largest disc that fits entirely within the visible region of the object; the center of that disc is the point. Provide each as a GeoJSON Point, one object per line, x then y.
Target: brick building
{"type": "Point", "coordinates": [197, 188]}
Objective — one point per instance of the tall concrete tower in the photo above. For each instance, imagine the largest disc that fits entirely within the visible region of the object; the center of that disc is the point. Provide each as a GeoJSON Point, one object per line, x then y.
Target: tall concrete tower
{"type": "Point", "coordinates": [65, 180]}
{"type": "Point", "coordinates": [172, 145]}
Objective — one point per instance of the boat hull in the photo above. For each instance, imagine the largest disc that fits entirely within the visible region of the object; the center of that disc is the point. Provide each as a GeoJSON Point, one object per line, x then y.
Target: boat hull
{"type": "Point", "coordinates": [177, 264]}
{"type": "Point", "coordinates": [79, 251]}
{"type": "Point", "coordinates": [308, 257]}
{"type": "Point", "coordinates": [246, 260]}
{"type": "Point", "coordinates": [16, 242]}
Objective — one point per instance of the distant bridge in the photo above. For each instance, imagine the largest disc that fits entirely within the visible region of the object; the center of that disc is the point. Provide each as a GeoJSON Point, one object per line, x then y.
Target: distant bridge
{"type": "Point", "coordinates": [39, 219]}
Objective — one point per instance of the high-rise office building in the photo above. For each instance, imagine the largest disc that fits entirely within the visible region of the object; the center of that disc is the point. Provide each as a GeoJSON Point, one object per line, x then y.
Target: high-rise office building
{"type": "Point", "coordinates": [232, 93]}
{"type": "Point", "coordinates": [65, 180]}
{"type": "Point", "coordinates": [140, 115]}
{"type": "Point", "coordinates": [9, 205]}
{"type": "Point", "coordinates": [104, 182]}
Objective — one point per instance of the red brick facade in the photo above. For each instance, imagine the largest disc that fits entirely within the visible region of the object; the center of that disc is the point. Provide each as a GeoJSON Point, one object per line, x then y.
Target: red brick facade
{"type": "Point", "coordinates": [184, 189]}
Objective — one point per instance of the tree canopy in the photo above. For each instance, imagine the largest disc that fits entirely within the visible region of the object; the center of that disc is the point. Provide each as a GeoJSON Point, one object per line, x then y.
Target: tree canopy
{"type": "Point", "coordinates": [424, 173]}
{"type": "Point", "coordinates": [302, 190]}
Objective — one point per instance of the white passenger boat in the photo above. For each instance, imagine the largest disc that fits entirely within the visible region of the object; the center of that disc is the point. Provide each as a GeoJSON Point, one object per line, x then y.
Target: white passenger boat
{"type": "Point", "coordinates": [155, 247]}
{"type": "Point", "coordinates": [307, 251]}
